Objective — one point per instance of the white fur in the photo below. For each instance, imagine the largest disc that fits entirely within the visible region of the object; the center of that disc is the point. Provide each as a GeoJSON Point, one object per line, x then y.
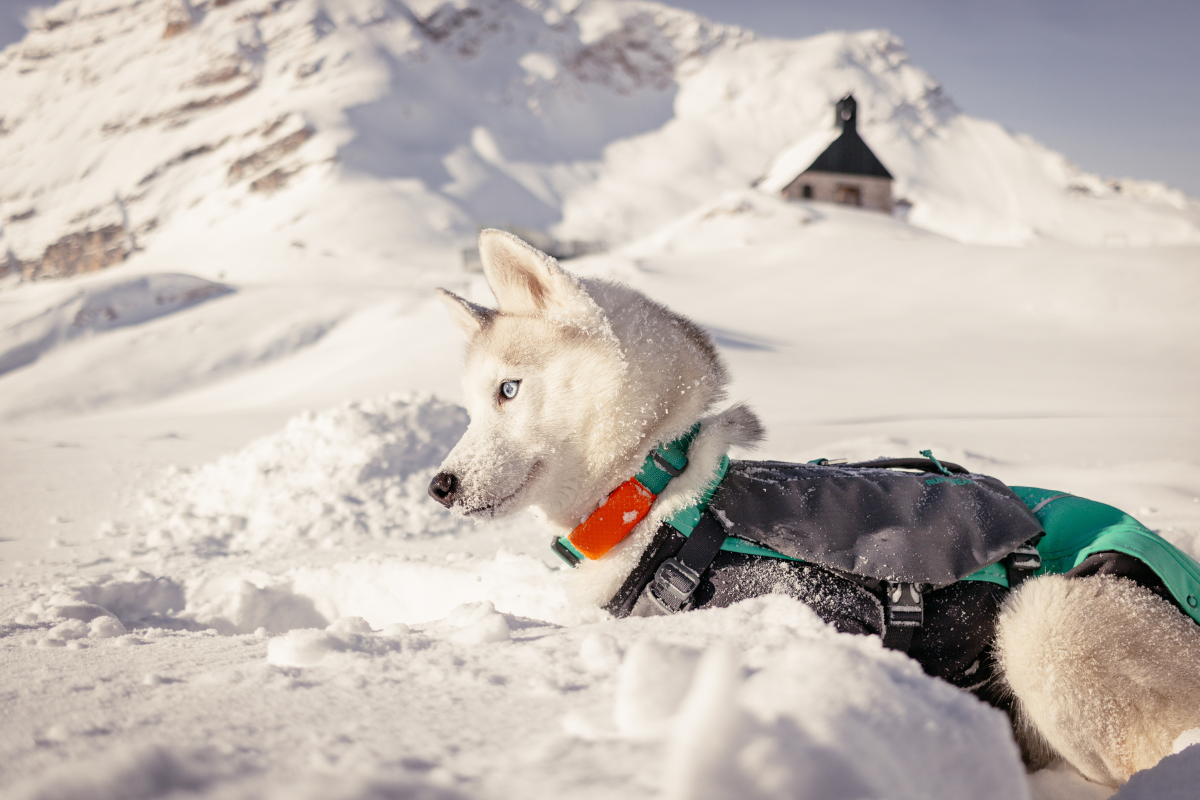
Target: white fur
{"type": "Point", "coordinates": [1104, 673]}
{"type": "Point", "coordinates": [606, 375]}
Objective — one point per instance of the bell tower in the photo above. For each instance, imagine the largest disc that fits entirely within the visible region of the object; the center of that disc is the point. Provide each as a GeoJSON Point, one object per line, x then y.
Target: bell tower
{"type": "Point", "coordinates": [847, 113]}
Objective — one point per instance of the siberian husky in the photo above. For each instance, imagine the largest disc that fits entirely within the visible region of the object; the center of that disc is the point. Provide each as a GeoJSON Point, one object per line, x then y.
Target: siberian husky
{"type": "Point", "coordinates": [571, 383]}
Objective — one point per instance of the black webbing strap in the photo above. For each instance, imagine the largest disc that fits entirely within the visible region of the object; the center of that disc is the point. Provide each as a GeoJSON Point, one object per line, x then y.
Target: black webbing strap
{"type": "Point", "coordinates": [676, 579]}
{"type": "Point", "coordinates": [666, 543]}
{"type": "Point", "coordinates": [669, 570]}
{"type": "Point", "coordinates": [923, 464]}
{"type": "Point", "coordinates": [904, 612]}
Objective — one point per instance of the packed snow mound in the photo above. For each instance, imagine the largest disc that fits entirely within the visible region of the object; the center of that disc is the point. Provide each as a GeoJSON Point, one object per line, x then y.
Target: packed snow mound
{"type": "Point", "coordinates": [363, 130]}
{"type": "Point", "coordinates": [100, 608]}
{"type": "Point", "coordinates": [359, 471]}
{"type": "Point", "coordinates": [760, 701]}
{"type": "Point", "coordinates": [100, 307]}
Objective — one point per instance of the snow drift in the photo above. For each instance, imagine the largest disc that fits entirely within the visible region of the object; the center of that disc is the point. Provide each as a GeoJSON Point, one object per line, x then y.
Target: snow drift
{"type": "Point", "coordinates": [101, 307]}
{"type": "Point", "coordinates": [715, 704]}
{"type": "Point", "coordinates": [359, 471]}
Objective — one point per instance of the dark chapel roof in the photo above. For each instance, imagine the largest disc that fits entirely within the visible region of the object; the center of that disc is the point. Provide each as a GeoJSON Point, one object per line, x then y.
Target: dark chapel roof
{"type": "Point", "coordinates": [849, 154]}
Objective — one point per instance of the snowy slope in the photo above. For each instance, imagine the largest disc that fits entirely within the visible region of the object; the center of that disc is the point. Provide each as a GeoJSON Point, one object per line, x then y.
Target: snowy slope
{"type": "Point", "coordinates": [378, 123]}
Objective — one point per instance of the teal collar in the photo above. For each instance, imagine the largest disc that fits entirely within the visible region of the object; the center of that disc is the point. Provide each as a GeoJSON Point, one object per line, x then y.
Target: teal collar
{"type": "Point", "coordinates": [664, 463]}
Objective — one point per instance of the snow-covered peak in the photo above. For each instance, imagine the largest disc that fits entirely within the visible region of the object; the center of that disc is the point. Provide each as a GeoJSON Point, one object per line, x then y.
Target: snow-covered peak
{"type": "Point", "coordinates": [127, 116]}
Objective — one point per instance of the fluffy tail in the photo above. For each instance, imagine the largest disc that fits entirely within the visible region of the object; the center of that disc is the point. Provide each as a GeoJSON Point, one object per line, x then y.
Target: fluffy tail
{"type": "Point", "coordinates": [1103, 672]}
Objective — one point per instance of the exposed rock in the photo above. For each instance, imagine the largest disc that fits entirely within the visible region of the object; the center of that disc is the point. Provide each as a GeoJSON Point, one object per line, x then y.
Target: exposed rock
{"type": "Point", "coordinates": [274, 125]}
{"type": "Point", "coordinates": [76, 253]}
{"type": "Point", "coordinates": [222, 74]}
{"type": "Point", "coordinates": [309, 68]}
{"type": "Point", "coordinates": [186, 155]}
{"type": "Point", "coordinates": [180, 18]}
{"type": "Point", "coordinates": [270, 154]}
{"type": "Point", "coordinates": [273, 181]}
{"type": "Point", "coordinates": [179, 114]}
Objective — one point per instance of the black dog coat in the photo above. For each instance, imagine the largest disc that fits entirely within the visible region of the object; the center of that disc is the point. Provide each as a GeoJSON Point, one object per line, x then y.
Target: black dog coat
{"type": "Point", "coordinates": [842, 537]}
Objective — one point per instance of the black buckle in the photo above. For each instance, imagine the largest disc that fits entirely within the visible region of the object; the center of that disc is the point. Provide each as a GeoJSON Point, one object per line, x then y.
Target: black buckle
{"type": "Point", "coordinates": [1021, 564]}
{"type": "Point", "coordinates": [905, 606]}
{"type": "Point", "coordinates": [666, 466]}
{"type": "Point", "coordinates": [1025, 557]}
{"type": "Point", "coordinates": [673, 585]}
{"type": "Point", "coordinates": [564, 552]}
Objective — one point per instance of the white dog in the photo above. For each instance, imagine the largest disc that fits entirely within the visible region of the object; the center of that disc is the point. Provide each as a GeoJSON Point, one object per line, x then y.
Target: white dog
{"type": "Point", "coordinates": [573, 383]}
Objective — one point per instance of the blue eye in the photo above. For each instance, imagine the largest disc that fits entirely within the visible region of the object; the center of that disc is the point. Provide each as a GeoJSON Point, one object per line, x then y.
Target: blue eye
{"type": "Point", "coordinates": [508, 389]}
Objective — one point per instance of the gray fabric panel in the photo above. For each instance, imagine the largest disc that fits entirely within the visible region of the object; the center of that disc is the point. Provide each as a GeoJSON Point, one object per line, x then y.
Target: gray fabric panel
{"type": "Point", "coordinates": [878, 523]}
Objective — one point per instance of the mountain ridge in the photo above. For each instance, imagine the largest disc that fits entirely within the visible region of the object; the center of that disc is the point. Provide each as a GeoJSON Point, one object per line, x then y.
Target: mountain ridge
{"type": "Point", "coordinates": [141, 123]}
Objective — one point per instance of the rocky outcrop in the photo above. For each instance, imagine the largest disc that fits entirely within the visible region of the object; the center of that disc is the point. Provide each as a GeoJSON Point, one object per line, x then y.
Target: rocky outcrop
{"type": "Point", "coordinates": [180, 18]}
{"type": "Point", "coordinates": [270, 154]}
{"type": "Point", "coordinates": [80, 252]}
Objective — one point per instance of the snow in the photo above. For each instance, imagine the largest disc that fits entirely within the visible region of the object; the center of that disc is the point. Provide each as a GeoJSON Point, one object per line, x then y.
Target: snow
{"type": "Point", "coordinates": [356, 472]}
{"type": "Point", "coordinates": [1175, 777]}
{"type": "Point", "coordinates": [101, 307]}
{"type": "Point", "coordinates": [220, 575]}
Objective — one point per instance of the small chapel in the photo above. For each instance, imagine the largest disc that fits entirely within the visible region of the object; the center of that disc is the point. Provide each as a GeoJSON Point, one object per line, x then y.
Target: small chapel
{"type": "Point", "coordinates": [847, 172]}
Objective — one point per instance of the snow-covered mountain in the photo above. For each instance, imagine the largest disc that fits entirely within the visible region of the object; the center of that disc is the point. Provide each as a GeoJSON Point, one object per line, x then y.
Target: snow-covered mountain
{"type": "Point", "coordinates": [221, 133]}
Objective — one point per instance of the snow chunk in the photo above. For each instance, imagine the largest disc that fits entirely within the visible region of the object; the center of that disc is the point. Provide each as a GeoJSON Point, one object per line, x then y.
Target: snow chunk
{"type": "Point", "coordinates": [1174, 778]}
{"type": "Point", "coordinates": [64, 632]}
{"type": "Point", "coordinates": [477, 623]}
{"type": "Point", "coordinates": [303, 648]}
{"type": "Point", "coordinates": [786, 708]}
{"type": "Point", "coordinates": [308, 647]}
{"type": "Point", "coordinates": [233, 605]}
{"type": "Point", "coordinates": [651, 684]}
{"type": "Point", "coordinates": [134, 597]}
{"type": "Point", "coordinates": [105, 628]}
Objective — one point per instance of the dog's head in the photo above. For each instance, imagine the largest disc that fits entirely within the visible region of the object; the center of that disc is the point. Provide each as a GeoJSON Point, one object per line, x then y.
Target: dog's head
{"type": "Point", "coordinates": [568, 383]}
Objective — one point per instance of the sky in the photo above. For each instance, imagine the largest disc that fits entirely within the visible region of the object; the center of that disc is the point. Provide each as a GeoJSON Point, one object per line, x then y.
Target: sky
{"type": "Point", "coordinates": [1112, 84]}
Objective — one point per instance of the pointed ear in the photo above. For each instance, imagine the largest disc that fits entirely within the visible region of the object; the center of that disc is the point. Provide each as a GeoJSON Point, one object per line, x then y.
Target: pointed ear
{"type": "Point", "coordinates": [526, 281]}
{"type": "Point", "coordinates": [470, 318]}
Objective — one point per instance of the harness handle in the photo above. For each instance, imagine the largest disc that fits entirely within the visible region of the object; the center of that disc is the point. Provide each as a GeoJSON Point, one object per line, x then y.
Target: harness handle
{"type": "Point", "coordinates": [923, 464]}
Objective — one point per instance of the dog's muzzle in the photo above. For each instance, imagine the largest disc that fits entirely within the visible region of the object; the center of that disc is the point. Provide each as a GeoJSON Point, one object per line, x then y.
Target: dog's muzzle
{"type": "Point", "coordinates": [444, 488]}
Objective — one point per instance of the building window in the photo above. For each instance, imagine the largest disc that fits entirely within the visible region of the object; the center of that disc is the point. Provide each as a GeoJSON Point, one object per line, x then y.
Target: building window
{"type": "Point", "coordinates": [806, 191]}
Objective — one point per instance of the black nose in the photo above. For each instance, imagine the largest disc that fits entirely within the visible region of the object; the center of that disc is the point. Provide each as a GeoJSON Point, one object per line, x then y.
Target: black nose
{"type": "Point", "coordinates": [443, 487]}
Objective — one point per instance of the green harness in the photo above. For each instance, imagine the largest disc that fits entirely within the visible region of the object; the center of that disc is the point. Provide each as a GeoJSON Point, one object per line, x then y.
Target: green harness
{"type": "Point", "coordinates": [1075, 529]}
